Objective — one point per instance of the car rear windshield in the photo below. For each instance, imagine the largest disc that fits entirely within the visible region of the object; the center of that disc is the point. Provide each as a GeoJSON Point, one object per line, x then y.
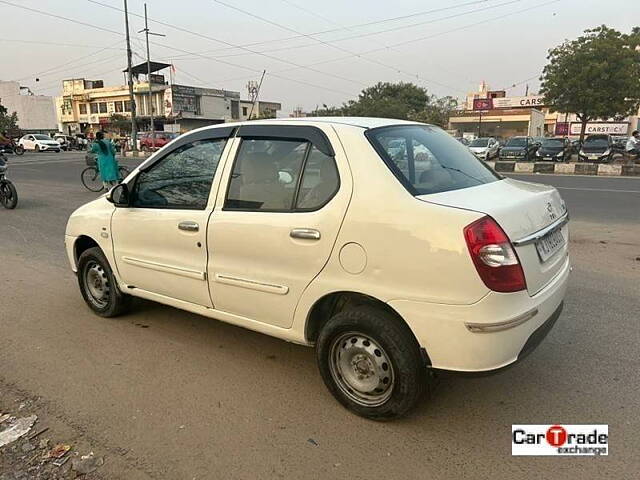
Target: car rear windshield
{"type": "Point", "coordinates": [517, 142]}
{"type": "Point", "coordinates": [427, 160]}
{"type": "Point", "coordinates": [480, 142]}
{"type": "Point", "coordinates": [553, 142]}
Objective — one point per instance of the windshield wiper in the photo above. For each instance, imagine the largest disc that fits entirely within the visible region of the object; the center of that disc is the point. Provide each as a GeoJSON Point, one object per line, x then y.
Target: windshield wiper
{"type": "Point", "coordinates": [480, 182]}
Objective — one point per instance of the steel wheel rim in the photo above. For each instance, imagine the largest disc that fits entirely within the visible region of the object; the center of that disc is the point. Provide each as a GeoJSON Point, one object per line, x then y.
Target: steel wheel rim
{"type": "Point", "coordinates": [361, 369]}
{"type": "Point", "coordinates": [97, 284]}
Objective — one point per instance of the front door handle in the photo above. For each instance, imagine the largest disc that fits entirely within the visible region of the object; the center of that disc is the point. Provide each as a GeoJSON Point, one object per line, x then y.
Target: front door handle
{"type": "Point", "coordinates": [305, 233]}
{"type": "Point", "coordinates": [189, 226]}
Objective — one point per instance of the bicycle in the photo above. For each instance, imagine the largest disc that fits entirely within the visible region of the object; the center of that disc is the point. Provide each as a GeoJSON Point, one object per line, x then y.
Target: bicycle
{"type": "Point", "coordinates": [8, 192]}
{"type": "Point", "coordinates": [90, 176]}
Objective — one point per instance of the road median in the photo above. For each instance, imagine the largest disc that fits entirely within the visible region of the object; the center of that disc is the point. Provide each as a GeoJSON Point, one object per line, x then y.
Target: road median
{"type": "Point", "coordinates": [599, 169]}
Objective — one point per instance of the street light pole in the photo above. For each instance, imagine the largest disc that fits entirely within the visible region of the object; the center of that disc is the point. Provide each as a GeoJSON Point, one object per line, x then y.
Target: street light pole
{"type": "Point", "coordinates": [134, 132]}
{"type": "Point", "coordinates": [147, 33]}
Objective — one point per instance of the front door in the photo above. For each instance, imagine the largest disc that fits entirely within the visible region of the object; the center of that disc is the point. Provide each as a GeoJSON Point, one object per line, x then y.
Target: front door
{"type": "Point", "coordinates": [276, 222]}
{"type": "Point", "coordinates": [160, 241]}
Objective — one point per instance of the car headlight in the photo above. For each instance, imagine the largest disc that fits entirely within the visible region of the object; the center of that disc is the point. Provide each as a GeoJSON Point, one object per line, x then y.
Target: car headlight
{"type": "Point", "coordinates": [559, 154]}
{"type": "Point", "coordinates": [538, 154]}
{"type": "Point", "coordinates": [582, 152]}
{"type": "Point", "coordinates": [606, 152]}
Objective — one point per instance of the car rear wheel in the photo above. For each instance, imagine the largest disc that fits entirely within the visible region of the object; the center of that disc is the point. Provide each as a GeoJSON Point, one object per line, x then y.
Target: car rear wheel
{"type": "Point", "coordinates": [98, 285]}
{"type": "Point", "coordinates": [371, 363]}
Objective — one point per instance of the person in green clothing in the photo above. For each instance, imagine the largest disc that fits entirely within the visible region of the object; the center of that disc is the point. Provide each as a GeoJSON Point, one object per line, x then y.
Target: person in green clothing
{"type": "Point", "coordinates": [107, 163]}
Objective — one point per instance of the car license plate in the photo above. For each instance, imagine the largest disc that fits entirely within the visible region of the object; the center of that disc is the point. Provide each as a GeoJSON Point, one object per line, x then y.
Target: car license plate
{"type": "Point", "coordinates": [548, 245]}
{"type": "Point", "coordinates": [593, 157]}
{"type": "Point", "coordinates": [547, 158]}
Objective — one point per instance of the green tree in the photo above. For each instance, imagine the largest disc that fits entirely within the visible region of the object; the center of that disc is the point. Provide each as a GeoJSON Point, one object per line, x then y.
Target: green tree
{"type": "Point", "coordinates": [8, 122]}
{"type": "Point", "coordinates": [404, 101]}
{"type": "Point", "coordinates": [594, 76]}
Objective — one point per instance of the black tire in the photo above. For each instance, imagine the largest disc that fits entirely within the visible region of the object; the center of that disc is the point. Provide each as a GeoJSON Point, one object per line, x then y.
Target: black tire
{"type": "Point", "coordinates": [8, 195]}
{"type": "Point", "coordinates": [91, 179]}
{"type": "Point", "coordinates": [98, 285]}
{"type": "Point", "coordinates": [390, 356]}
{"type": "Point", "coordinates": [18, 150]}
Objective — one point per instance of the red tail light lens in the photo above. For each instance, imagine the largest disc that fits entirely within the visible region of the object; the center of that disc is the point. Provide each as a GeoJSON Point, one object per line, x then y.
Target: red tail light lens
{"type": "Point", "coordinates": [494, 257]}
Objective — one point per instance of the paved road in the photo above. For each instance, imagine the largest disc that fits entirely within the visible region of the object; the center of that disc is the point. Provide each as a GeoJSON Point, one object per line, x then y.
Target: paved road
{"type": "Point", "coordinates": [166, 394]}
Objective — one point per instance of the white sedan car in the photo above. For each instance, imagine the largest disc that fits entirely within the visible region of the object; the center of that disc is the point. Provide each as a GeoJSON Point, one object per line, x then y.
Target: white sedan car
{"type": "Point", "coordinates": [39, 143]}
{"type": "Point", "coordinates": [385, 244]}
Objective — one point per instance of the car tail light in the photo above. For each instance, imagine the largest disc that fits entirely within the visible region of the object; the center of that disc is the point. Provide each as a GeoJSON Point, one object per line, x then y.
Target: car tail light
{"type": "Point", "coordinates": [493, 255]}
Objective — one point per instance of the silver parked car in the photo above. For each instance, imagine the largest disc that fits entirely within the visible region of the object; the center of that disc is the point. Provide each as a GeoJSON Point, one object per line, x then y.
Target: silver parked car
{"type": "Point", "coordinates": [485, 148]}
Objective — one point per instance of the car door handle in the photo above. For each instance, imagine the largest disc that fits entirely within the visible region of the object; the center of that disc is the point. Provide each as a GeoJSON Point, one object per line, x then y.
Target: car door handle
{"type": "Point", "coordinates": [305, 233]}
{"type": "Point", "coordinates": [189, 226]}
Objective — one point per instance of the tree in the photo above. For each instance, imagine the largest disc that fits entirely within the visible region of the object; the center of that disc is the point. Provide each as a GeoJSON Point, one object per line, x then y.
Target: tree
{"type": "Point", "coordinates": [8, 123]}
{"type": "Point", "coordinates": [595, 76]}
{"type": "Point", "coordinates": [404, 101]}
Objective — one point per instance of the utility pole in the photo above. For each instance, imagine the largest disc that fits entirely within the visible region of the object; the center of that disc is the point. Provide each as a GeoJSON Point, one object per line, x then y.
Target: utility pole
{"type": "Point", "coordinates": [147, 33]}
{"type": "Point", "coordinates": [134, 132]}
{"type": "Point", "coordinates": [257, 94]}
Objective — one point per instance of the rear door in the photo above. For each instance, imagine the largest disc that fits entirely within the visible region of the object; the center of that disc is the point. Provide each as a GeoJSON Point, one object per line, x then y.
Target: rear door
{"type": "Point", "coordinates": [276, 219]}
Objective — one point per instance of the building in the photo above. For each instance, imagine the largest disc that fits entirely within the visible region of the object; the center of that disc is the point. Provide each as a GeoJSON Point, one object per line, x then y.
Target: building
{"type": "Point", "coordinates": [493, 114]}
{"type": "Point", "coordinates": [36, 113]}
{"type": "Point", "coordinates": [89, 106]}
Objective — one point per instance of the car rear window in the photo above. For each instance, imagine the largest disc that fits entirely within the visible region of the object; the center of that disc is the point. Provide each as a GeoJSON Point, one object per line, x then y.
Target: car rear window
{"type": "Point", "coordinates": [427, 160]}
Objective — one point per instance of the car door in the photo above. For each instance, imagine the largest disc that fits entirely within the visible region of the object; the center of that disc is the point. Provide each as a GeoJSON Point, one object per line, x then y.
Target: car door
{"type": "Point", "coordinates": [29, 142]}
{"type": "Point", "coordinates": [160, 241]}
{"type": "Point", "coordinates": [276, 219]}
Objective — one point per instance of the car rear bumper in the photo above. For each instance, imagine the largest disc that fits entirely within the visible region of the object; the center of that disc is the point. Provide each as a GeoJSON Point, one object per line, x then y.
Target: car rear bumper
{"type": "Point", "coordinates": [514, 324]}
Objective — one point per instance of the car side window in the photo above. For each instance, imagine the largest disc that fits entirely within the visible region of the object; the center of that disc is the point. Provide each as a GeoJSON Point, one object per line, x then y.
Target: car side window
{"type": "Point", "coordinates": [320, 181]}
{"type": "Point", "coordinates": [265, 175]}
{"type": "Point", "coordinates": [182, 179]}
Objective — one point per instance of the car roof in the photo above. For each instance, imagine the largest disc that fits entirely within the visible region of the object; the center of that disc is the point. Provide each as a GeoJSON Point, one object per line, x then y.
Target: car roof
{"type": "Point", "coordinates": [361, 122]}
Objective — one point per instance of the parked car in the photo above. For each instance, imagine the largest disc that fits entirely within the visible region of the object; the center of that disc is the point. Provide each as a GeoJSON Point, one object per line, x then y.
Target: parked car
{"type": "Point", "coordinates": [556, 149]}
{"type": "Point", "coordinates": [463, 141]}
{"type": "Point", "coordinates": [322, 234]}
{"type": "Point", "coordinates": [518, 148]}
{"type": "Point", "coordinates": [620, 143]}
{"type": "Point", "coordinates": [39, 143]}
{"type": "Point", "coordinates": [147, 143]}
{"type": "Point", "coordinates": [66, 142]}
{"type": "Point", "coordinates": [576, 144]}
{"type": "Point", "coordinates": [597, 148]}
{"type": "Point", "coordinates": [485, 148]}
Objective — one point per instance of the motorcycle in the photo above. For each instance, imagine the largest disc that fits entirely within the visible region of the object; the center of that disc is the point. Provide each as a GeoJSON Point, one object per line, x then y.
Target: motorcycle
{"type": "Point", "coordinates": [8, 193]}
{"type": "Point", "coordinates": [12, 147]}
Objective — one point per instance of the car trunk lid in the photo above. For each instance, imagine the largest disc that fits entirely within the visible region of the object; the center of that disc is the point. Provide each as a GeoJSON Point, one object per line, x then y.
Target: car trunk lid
{"type": "Point", "coordinates": [523, 210]}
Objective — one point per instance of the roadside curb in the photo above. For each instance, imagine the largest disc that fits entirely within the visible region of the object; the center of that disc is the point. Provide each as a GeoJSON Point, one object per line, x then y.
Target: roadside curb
{"type": "Point", "coordinates": [132, 154]}
{"type": "Point", "coordinates": [599, 169]}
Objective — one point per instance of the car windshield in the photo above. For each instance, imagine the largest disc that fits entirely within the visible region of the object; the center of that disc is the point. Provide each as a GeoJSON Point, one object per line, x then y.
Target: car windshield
{"type": "Point", "coordinates": [596, 142]}
{"type": "Point", "coordinates": [553, 142]}
{"type": "Point", "coordinates": [428, 160]}
{"type": "Point", "coordinates": [517, 142]}
{"type": "Point", "coordinates": [42, 137]}
{"type": "Point", "coordinates": [480, 142]}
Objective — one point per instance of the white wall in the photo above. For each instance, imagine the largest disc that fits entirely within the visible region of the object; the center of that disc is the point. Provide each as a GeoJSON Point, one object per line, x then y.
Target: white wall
{"type": "Point", "coordinates": [35, 112]}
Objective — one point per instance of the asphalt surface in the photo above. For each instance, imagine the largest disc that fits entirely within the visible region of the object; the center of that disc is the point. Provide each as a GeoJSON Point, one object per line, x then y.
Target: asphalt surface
{"type": "Point", "coordinates": [162, 393]}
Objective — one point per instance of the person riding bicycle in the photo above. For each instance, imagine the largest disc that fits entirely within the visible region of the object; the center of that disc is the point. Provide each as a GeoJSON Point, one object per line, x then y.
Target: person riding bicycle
{"type": "Point", "coordinates": [633, 144]}
{"type": "Point", "coordinates": [107, 163]}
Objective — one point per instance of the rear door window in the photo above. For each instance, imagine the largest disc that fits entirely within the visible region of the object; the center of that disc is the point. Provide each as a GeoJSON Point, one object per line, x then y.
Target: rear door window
{"type": "Point", "coordinates": [427, 160]}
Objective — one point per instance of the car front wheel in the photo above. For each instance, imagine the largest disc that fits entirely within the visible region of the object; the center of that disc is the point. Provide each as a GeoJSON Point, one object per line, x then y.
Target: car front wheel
{"type": "Point", "coordinates": [371, 363]}
{"type": "Point", "coordinates": [98, 285]}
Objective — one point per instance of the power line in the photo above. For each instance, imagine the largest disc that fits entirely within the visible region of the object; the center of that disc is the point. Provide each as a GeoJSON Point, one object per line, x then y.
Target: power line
{"type": "Point", "coordinates": [56, 44]}
{"type": "Point", "coordinates": [41, 12]}
{"type": "Point", "coordinates": [184, 30]}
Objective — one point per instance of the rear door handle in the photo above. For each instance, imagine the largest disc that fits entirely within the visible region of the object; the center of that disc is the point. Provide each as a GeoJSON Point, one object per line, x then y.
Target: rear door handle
{"type": "Point", "coordinates": [305, 233]}
{"type": "Point", "coordinates": [189, 226]}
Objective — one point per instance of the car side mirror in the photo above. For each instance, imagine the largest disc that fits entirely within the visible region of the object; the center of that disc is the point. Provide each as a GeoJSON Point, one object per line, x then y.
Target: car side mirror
{"type": "Point", "coordinates": [119, 195]}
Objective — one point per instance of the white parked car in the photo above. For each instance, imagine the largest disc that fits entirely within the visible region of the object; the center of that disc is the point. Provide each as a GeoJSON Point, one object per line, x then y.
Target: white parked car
{"type": "Point", "coordinates": [485, 148]}
{"type": "Point", "coordinates": [39, 143]}
{"type": "Point", "coordinates": [325, 232]}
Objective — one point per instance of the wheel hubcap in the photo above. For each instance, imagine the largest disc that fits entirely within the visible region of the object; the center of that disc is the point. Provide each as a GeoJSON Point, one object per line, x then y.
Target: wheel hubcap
{"type": "Point", "coordinates": [97, 284]}
{"type": "Point", "coordinates": [362, 369]}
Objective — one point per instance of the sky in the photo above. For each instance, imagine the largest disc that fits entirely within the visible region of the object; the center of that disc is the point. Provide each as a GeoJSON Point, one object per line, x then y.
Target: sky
{"type": "Point", "coordinates": [314, 52]}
